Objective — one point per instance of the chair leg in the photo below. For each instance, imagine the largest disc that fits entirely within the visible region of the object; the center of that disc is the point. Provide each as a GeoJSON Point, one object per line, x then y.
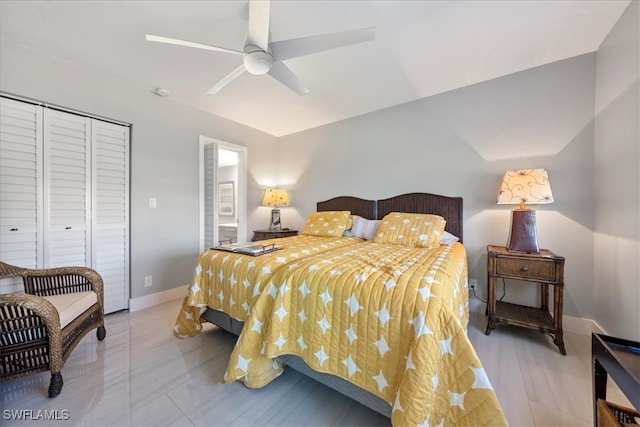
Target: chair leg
{"type": "Point", "coordinates": [101, 333]}
{"type": "Point", "coordinates": [55, 386]}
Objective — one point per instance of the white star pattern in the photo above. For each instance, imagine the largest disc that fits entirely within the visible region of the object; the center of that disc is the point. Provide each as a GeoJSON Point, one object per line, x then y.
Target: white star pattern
{"type": "Point", "coordinates": [283, 288]}
{"type": "Point", "coordinates": [232, 280]}
{"type": "Point", "coordinates": [188, 316]}
{"type": "Point", "coordinates": [257, 326]}
{"type": "Point", "coordinates": [397, 406]}
{"type": "Point", "coordinates": [266, 270]}
{"type": "Point", "coordinates": [256, 290]}
{"type": "Point", "coordinates": [198, 269]}
{"type": "Point", "coordinates": [321, 355]}
{"type": "Point", "coordinates": [281, 312]}
{"type": "Point", "coordinates": [195, 288]}
{"type": "Point", "coordinates": [351, 366]}
{"type": "Point", "coordinates": [324, 324]}
{"type": "Point", "coordinates": [456, 399]}
{"type": "Point", "coordinates": [251, 265]}
{"type": "Point", "coordinates": [314, 267]}
{"type": "Point", "coordinates": [304, 289]}
{"type": "Point", "coordinates": [272, 290]}
{"type": "Point", "coordinates": [420, 326]}
{"type": "Point", "coordinates": [383, 315]}
{"type": "Point", "coordinates": [281, 260]}
{"type": "Point", "coordinates": [246, 283]}
{"type": "Point", "coordinates": [302, 316]}
{"type": "Point", "coordinates": [210, 272]}
{"type": "Point", "coordinates": [380, 380]}
{"type": "Point", "coordinates": [435, 381]}
{"type": "Point", "coordinates": [280, 341]}
{"type": "Point", "coordinates": [225, 259]}
{"type": "Point", "coordinates": [425, 292]}
{"type": "Point", "coordinates": [481, 380]}
{"type": "Point", "coordinates": [221, 296]}
{"type": "Point", "coordinates": [334, 272]}
{"type": "Point", "coordinates": [326, 297]}
{"type": "Point", "coordinates": [445, 346]}
{"type": "Point", "coordinates": [221, 275]}
{"type": "Point", "coordinates": [351, 334]}
{"type": "Point", "coordinates": [238, 261]}
{"type": "Point", "coordinates": [301, 343]}
{"type": "Point", "coordinates": [360, 278]}
{"type": "Point", "coordinates": [353, 304]}
{"type": "Point", "coordinates": [409, 363]}
{"type": "Point", "coordinates": [428, 279]}
{"type": "Point", "coordinates": [243, 364]}
{"type": "Point", "coordinates": [382, 345]}
{"type": "Point", "coordinates": [389, 284]}
{"type": "Point", "coordinates": [245, 306]}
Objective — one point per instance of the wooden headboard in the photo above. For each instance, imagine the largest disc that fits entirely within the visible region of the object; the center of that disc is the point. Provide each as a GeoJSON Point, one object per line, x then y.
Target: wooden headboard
{"type": "Point", "coordinates": [357, 206]}
{"type": "Point", "coordinates": [450, 208]}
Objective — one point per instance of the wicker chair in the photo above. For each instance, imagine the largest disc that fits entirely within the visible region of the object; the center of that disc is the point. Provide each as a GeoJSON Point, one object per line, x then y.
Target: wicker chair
{"type": "Point", "coordinates": [31, 337]}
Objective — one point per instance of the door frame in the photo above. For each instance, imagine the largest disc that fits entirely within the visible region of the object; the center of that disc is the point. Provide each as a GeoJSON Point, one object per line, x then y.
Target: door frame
{"type": "Point", "coordinates": [241, 201]}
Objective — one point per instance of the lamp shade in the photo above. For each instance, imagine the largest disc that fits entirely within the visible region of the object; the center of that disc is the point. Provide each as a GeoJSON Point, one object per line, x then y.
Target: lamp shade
{"type": "Point", "coordinates": [529, 186]}
{"type": "Point", "coordinates": [275, 197]}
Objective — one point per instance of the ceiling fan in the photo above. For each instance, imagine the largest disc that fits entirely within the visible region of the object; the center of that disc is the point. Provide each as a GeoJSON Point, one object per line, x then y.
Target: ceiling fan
{"type": "Point", "coordinates": [262, 57]}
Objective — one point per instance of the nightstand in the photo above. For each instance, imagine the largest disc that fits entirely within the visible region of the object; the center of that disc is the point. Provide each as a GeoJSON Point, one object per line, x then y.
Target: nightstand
{"type": "Point", "coordinates": [272, 234]}
{"type": "Point", "coordinates": [544, 268]}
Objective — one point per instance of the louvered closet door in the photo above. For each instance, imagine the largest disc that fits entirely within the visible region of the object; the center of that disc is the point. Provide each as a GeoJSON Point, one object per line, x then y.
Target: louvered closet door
{"type": "Point", "coordinates": [209, 193]}
{"type": "Point", "coordinates": [67, 189]}
{"type": "Point", "coordinates": [111, 212]}
{"type": "Point", "coordinates": [20, 187]}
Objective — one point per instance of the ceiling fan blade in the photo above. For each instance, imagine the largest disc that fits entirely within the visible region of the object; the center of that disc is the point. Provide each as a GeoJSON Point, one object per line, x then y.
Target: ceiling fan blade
{"type": "Point", "coordinates": [259, 11]}
{"type": "Point", "coordinates": [280, 72]}
{"type": "Point", "coordinates": [178, 42]}
{"type": "Point", "coordinates": [222, 83]}
{"type": "Point", "coordinates": [287, 49]}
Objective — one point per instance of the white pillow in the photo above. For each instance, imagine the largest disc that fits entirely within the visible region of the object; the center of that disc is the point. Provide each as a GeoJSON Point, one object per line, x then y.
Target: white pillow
{"type": "Point", "coordinates": [448, 238]}
{"type": "Point", "coordinates": [364, 228]}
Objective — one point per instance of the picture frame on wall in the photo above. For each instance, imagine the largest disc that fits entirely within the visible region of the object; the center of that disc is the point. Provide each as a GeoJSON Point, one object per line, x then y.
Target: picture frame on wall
{"type": "Point", "coordinates": [226, 199]}
{"type": "Point", "coordinates": [275, 220]}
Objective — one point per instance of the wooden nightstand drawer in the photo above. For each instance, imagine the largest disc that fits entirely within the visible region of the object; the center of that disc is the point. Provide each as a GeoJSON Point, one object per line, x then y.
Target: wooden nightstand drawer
{"type": "Point", "coordinates": [522, 268]}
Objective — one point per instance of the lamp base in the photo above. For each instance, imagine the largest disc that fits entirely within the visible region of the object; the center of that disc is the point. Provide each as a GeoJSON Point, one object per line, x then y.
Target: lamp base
{"type": "Point", "coordinates": [275, 220]}
{"type": "Point", "coordinates": [523, 232]}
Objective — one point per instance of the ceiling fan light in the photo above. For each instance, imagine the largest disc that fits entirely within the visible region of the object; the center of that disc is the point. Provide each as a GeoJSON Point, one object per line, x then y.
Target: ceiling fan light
{"type": "Point", "coordinates": [258, 62]}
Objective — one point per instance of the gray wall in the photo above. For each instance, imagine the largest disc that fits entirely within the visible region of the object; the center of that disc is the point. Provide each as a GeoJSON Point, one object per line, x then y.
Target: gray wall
{"type": "Point", "coordinates": [460, 143]}
{"type": "Point", "coordinates": [617, 179]}
{"type": "Point", "coordinates": [164, 157]}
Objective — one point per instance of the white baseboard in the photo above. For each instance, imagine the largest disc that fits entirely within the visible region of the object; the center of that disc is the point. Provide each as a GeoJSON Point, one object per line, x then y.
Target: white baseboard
{"type": "Point", "coordinates": [576, 325]}
{"type": "Point", "coordinates": [151, 300]}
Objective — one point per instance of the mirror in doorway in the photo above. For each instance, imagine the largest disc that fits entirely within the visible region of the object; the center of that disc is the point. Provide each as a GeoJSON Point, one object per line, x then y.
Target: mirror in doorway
{"type": "Point", "coordinates": [226, 199]}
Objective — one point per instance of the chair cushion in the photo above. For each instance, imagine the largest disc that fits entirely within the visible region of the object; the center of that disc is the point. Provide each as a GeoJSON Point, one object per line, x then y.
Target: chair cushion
{"type": "Point", "coordinates": [72, 305]}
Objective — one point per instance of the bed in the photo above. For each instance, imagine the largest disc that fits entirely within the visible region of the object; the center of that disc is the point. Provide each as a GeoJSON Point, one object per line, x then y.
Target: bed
{"type": "Point", "coordinates": [388, 322]}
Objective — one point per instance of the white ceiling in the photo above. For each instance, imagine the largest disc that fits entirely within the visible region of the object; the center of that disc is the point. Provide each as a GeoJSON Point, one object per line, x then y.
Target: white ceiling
{"type": "Point", "coordinates": [421, 48]}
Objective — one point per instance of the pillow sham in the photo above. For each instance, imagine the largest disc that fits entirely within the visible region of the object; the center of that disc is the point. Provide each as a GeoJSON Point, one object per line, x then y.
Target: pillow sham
{"type": "Point", "coordinates": [416, 230]}
{"type": "Point", "coordinates": [327, 224]}
{"type": "Point", "coordinates": [448, 238]}
{"type": "Point", "coordinates": [364, 228]}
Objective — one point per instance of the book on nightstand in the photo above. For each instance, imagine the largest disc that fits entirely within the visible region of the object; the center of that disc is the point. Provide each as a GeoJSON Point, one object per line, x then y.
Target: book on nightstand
{"type": "Point", "coordinates": [252, 249]}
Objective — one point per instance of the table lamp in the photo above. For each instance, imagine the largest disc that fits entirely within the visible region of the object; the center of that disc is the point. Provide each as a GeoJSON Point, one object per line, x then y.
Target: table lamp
{"type": "Point", "coordinates": [276, 198]}
{"type": "Point", "coordinates": [527, 186]}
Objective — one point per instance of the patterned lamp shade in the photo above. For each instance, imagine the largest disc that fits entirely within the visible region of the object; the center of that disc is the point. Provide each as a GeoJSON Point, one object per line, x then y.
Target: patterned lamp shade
{"type": "Point", "coordinates": [529, 186]}
{"type": "Point", "coordinates": [520, 187]}
{"type": "Point", "coordinates": [275, 197]}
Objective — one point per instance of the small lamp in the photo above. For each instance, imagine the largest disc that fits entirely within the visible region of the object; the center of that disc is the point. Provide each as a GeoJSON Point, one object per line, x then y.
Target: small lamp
{"type": "Point", "coordinates": [521, 187]}
{"type": "Point", "coordinates": [275, 197]}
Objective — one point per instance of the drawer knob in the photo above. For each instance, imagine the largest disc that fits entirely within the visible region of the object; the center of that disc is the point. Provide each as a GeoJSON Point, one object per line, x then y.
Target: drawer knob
{"type": "Point", "coordinates": [524, 269]}
{"type": "Point", "coordinates": [67, 228]}
{"type": "Point", "coordinates": [13, 229]}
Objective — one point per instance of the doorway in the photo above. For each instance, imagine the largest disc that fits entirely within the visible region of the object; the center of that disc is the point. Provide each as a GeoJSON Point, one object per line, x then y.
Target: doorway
{"type": "Point", "coordinates": [223, 188]}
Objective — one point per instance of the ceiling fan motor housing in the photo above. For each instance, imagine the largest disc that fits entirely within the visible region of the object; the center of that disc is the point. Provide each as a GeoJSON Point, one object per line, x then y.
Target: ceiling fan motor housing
{"type": "Point", "coordinates": [257, 61]}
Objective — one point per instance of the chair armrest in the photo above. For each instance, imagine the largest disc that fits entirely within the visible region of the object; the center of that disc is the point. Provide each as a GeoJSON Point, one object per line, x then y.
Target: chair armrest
{"type": "Point", "coordinates": [18, 326]}
{"type": "Point", "coordinates": [56, 281]}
